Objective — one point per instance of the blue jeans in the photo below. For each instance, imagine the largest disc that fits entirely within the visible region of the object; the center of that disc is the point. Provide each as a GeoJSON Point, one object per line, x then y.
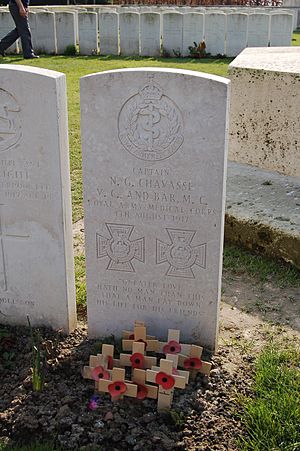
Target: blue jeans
{"type": "Point", "coordinates": [22, 31]}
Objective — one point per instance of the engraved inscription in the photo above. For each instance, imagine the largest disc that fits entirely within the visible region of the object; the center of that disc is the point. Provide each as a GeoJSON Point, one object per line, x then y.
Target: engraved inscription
{"type": "Point", "coordinates": [10, 125]}
{"type": "Point", "coordinates": [119, 248]}
{"type": "Point", "coordinates": [180, 254]}
{"type": "Point", "coordinates": [150, 124]}
{"type": "Point", "coordinates": [3, 257]}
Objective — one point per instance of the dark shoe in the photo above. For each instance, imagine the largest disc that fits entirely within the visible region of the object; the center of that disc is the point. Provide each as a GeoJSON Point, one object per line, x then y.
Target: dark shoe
{"type": "Point", "coordinates": [31, 57]}
{"type": "Point", "coordinates": [2, 53]}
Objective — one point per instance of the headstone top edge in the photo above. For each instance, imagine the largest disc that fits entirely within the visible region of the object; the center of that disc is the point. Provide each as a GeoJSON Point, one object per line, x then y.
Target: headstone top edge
{"type": "Point", "coordinates": [34, 70]}
{"type": "Point", "coordinates": [202, 75]}
{"type": "Point", "coordinates": [270, 59]}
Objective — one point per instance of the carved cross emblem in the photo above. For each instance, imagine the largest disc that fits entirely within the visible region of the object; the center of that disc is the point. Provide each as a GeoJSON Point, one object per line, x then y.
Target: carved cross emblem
{"type": "Point", "coordinates": [119, 248]}
{"type": "Point", "coordinates": [180, 254]}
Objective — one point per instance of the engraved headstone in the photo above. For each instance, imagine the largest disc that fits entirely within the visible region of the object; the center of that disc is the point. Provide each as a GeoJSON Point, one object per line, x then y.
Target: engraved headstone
{"type": "Point", "coordinates": [154, 200]}
{"type": "Point", "coordinates": [109, 33]}
{"type": "Point", "coordinates": [36, 255]}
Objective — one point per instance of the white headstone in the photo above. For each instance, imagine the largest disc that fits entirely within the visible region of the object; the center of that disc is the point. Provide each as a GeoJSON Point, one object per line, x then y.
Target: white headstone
{"type": "Point", "coordinates": [236, 34]}
{"type": "Point", "coordinates": [150, 34]}
{"type": "Point", "coordinates": [65, 31]}
{"type": "Point", "coordinates": [193, 30]}
{"type": "Point", "coordinates": [258, 30]}
{"type": "Point", "coordinates": [129, 23]}
{"type": "Point", "coordinates": [265, 109]}
{"type": "Point", "coordinates": [45, 34]}
{"type": "Point", "coordinates": [36, 254]}
{"type": "Point", "coordinates": [154, 200]}
{"type": "Point", "coordinates": [109, 33]}
{"type": "Point", "coordinates": [281, 29]}
{"type": "Point", "coordinates": [172, 33]}
{"type": "Point", "coordinates": [214, 33]}
{"type": "Point", "coordinates": [88, 33]}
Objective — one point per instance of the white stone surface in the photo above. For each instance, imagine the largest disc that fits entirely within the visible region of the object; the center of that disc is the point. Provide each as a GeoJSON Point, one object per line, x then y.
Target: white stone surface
{"type": "Point", "coordinates": [215, 29]}
{"type": "Point", "coordinates": [236, 33]}
{"type": "Point", "coordinates": [193, 31]}
{"type": "Point", "coordinates": [109, 33]}
{"type": "Point", "coordinates": [265, 109]}
{"type": "Point", "coordinates": [88, 33]}
{"type": "Point", "coordinates": [172, 32]}
{"type": "Point", "coordinates": [150, 34]}
{"type": "Point", "coordinates": [281, 29]}
{"type": "Point", "coordinates": [129, 24]}
{"type": "Point", "coordinates": [258, 30]}
{"type": "Point", "coordinates": [6, 25]}
{"type": "Point", "coordinates": [36, 254]}
{"type": "Point", "coordinates": [65, 30]}
{"type": "Point", "coordinates": [45, 34]}
{"type": "Point", "coordinates": [154, 200]}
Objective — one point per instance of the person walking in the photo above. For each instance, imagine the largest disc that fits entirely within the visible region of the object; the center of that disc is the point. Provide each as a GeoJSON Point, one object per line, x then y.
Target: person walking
{"type": "Point", "coordinates": [19, 12]}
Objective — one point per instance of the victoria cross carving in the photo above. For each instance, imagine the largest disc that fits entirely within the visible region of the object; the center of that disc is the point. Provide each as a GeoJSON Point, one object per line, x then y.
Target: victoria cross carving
{"type": "Point", "coordinates": [180, 254]}
{"type": "Point", "coordinates": [150, 124]}
{"type": "Point", "coordinates": [120, 250]}
{"type": "Point", "coordinates": [10, 125]}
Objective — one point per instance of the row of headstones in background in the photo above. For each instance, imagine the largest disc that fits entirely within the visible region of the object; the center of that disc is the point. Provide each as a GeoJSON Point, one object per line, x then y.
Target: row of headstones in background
{"type": "Point", "coordinates": [154, 200]}
{"type": "Point", "coordinates": [150, 33]}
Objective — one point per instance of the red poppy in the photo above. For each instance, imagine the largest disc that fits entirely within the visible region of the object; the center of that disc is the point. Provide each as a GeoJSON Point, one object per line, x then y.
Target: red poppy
{"type": "Point", "coordinates": [165, 380]}
{"type": "Point", "coordinates": [173, 347]}
{"type": "Point", "coordinates": [193, 363]}
{"type": "Point", "coordinates": [100, 373]}
{"type": "Point", "coordinates": [142, 391]}
{"type": "Point", "coordinates": [117, 389]}
{"type": "Point", "coordinates": [131, 337]}
{"type": "Point", "coordinates": [137, 360]}
{"type": "Point", "coordinates": [110, 362]}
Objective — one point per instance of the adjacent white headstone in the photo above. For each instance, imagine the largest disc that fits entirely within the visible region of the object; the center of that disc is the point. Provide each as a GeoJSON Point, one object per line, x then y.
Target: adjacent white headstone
{"type": "Point", "coordinates": [172, 33]}
{"type": "Point", "coordinates": [154, 200]}
{"type": "Point", "coordinates": [258, 30]}
{"type": "Point", "coordinates": [109, 33]}
{"type": "Point", "coordinates": [193, 30]}
{"type": "Point", "coordinates": [36, 254]}
{"type": "Point", "coordinates": [265, 109]}
{"type": "Point", "coordinates": [45, 34]}
{"type": "Point", "coordinates": [236, 34]}
{"type": "Point", "coordinates": [150, 34]}
{"type": "Point", "coordinates": [215, 30]}
{"type": "Point", "coordinates": [88, 33]}
{"type": "Point", "coordinates": [281, 29]}
{"type": "Point", "coordinates": [65, 31]}
{"type": "Point", "coordinates": [129, 23]}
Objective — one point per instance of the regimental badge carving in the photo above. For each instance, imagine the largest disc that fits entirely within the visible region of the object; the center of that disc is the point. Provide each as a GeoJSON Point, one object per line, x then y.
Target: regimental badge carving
{"type": "Point", "coordinates": [180, 254]}
{"type": "Point", "coordinates": [150, 124]}
{"type": "Point", "coordinates": [10, 125]}
{"type": "Point", "coordinates": [119, 248]}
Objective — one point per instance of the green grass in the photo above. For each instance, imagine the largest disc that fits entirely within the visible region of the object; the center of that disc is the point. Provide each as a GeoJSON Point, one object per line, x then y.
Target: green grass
{"type": "Point", "coordinates": [296, 37]}
{"type": "Point", "coordinates": [77, 66]}
{"type": "Point", "coordinates": [244, 262]}
{"type": "Point", "coordinates": [272, 417]}
{"type": "Point", "coordinates": [80, 280]}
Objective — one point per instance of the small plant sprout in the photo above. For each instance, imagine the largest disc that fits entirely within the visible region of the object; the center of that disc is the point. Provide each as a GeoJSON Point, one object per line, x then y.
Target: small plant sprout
{"type": "Point", "coordinates": [38, 359]}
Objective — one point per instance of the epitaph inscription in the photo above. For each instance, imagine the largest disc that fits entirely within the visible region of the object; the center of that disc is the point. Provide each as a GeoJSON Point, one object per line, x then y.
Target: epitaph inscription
{"type": "Point", "coordinates": [150, 124]}
{"type": "Point", "coordinates": [10, 124]}
{"type": "Point", "coordinates": [180, 253]}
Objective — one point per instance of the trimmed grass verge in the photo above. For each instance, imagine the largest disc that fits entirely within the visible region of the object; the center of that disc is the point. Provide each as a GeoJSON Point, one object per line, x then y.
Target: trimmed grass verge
{"type": "Point", "coordinates": [272, 417]}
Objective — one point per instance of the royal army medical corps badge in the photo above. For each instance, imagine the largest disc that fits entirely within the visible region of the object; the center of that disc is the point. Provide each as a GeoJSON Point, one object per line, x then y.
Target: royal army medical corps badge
{"type": "Point", "coordinates": [150, 124]}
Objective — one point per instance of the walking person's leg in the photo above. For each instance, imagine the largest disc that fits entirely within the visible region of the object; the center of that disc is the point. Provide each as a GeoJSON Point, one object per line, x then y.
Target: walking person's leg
{"type": "Point", "coordinates": [23, 30]}
{"type": "Point", "coordinates": [9, 39]}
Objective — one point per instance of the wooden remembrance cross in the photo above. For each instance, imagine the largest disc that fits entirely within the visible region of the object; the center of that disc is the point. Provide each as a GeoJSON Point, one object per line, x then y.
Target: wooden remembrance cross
{"type": "Point", "coordinates": [100, 365]}
{"type": "Point", "coordinates": [137, 359]}
{"type": "Point", "coordinates": [117, 387]}
{"type": "Point", "coordinates": [139, 334]}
